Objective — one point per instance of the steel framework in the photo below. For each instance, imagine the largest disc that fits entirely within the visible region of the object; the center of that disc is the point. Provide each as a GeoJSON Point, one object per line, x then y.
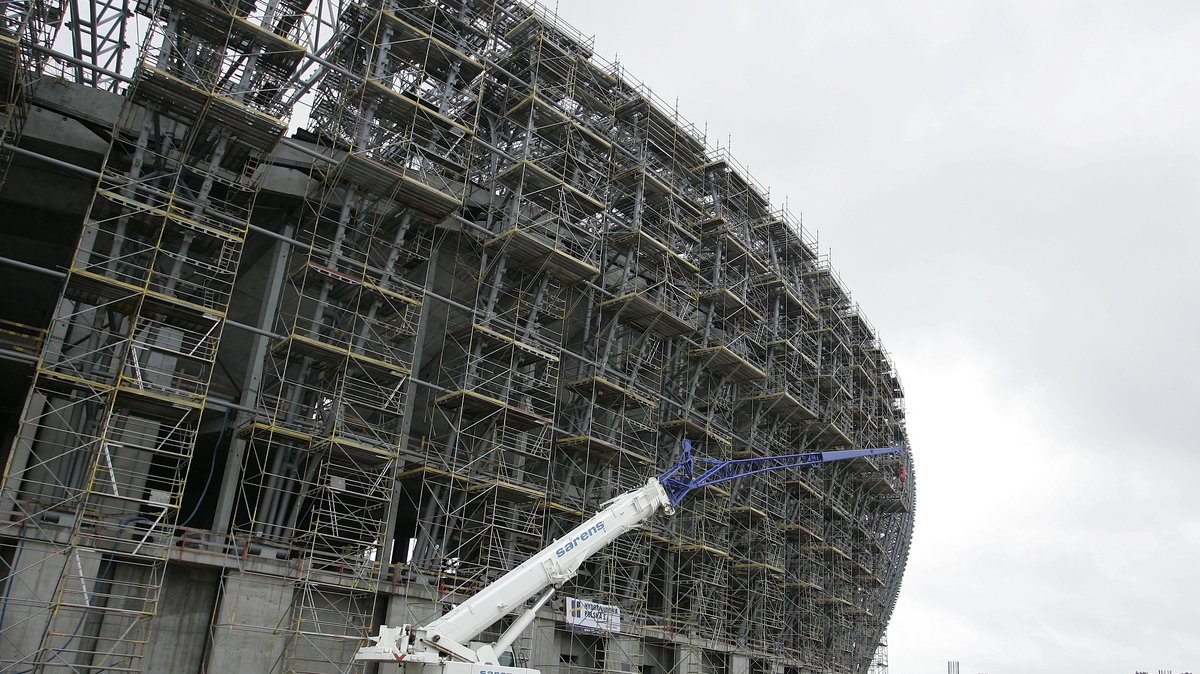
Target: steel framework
{"type": "Point", "coordinates": [372, 298]}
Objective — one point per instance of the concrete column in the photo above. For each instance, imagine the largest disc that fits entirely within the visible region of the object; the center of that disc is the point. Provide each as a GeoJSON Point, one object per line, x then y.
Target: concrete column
{"type": "Point", "coordinates": [252, 386]}
{"type": "Point", "coordinates": [25, 608]}
{"type": "Point", "coordinates": [623, 654]}
{"type": "Point", "coordinates": [543, 646]}
{"type": "Point", "coordinates": [738, 664]}
{"type": "Point", "coordinates": [250, 627]}
{"type": "Point", "coordinates": [180, 627]}
{"type": "Point", "coordinates": [689, 660]}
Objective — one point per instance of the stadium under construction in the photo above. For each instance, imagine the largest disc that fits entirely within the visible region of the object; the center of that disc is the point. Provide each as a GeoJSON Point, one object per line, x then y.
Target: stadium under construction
{"type": "Point", "coordinates": [322, 314]}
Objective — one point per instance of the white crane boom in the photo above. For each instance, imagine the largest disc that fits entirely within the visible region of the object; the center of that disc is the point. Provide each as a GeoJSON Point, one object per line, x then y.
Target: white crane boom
{"type": "Point", "coordinates": [553, 566]}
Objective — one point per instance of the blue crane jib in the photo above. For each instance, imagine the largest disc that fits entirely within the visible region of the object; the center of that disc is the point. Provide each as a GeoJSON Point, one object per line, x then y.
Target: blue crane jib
{"type": "Point", "coordinates": [692, 472]}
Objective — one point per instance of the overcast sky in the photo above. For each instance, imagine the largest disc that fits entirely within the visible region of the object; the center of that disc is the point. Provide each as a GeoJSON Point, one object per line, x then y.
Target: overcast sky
{"type": "Point", "coordinates": [1011, 192]}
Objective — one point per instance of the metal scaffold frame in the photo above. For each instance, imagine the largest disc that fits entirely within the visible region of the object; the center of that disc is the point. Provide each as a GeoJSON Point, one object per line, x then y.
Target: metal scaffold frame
{"type": "Point", "coordinates": [372, 299]}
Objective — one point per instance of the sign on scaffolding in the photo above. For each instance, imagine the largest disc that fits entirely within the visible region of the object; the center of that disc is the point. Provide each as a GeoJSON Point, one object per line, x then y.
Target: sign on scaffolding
{"type": "Point", "coordinates": [588, 616]}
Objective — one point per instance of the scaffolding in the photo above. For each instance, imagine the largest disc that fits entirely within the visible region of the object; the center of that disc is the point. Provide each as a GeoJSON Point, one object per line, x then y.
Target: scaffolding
{"type": "Point", "coordinates": [26, 28]}
{"type": "Point", "coordinates": [487, 282]}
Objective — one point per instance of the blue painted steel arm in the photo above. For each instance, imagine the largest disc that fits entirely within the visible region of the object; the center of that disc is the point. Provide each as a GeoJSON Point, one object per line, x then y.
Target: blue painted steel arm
{"type": "Point", "coordinates": [692, 472]}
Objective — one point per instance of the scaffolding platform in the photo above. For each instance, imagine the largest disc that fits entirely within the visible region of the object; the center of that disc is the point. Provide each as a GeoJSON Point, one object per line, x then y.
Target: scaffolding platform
{"type": "Point", "coordinates": [827, 382]}
{"type": "Point", "coordinates": [507, 491]}
{"type": "Point", "coordinates": [509, 344]}
{"type": "Point", "coordinates": [594, 446]}
{"type": "Point", "coordinates": [802, 584]}
{"type": "Point", "coordinates": [727, 361]}
{"type": "Point", "coordinates": [189, 103]}
{"type": "Point", "coordinates": [748, 513]}
{"type": "Point", "coordinates": [21, 338]}
{"type": "Point", "coordinates": [747, 568]}
{"type": "Point", "coordinates": [781, 230]}
{"type": "Point", "coordinates": [698, 549]}
{"type": "Point", "coordinates": [863, 464]}
{"type": "Point", "coordinates": [860, 572]}
{"type": "Point", "coordinates": [10, 58]}
{"type": "Point", "coordinates": [666, 130]}
{"type": "Point", "coordinates": [790, 347]}
{"type": "Point", "coordinates": [693, 430]}
{"type": "Point", "coordinates": [802, 532]}
{"type": "Point", "coordinates": [833, 601]}
{"type": "Point", "coordinates": [773, 285]}
{"type": "Point", "coordinates": [839, 510]}
{"type": "Point", "coordinates": [553, 123]}
{"type": "Point", "coordinates": [652, 186]}
{"type": "Point", "coordinates": [539, 185]}
{"type": "Point", "coordinates": [891, 504]}
{"type": "Point", "coordinates": [641, 311]}
{"type": "Point", "coordinates": [476, 404]}
{"type": "Point", "coordinates": [88, 286]}
{"type": "Point", "coordinates": [354, 449]}
{"type": "Point", "coordinates": [717, 231]}
{"type": "Point", "coordinates": [417, 46]}
{"type": "Point", "coordinates": [609, 393]}
{"type": "Point", "coordinates": [538, 253]}
{"type": "Point", "coordinates": [731, 305]}
{"type": "Point", "coordinates": [214, 24]}
{"type": "Point", "coordinates": [403, 108]}
{"type": "Point", "coordinates": [327, 352]}
{"type": "Point", "coordinates": [828, 551]}
{"type": "Point", "coordinates": [646, 244]}
{"type": "Point", "coordinates": [274, 433]}
{"type": "Point", "coordinates": [100, 290]}
{"type": "Point", "coordinates": [804, 488]}
{"type": "Point", "coordinates": [781, 403]}
{"type": "Point", "coordinates": [827, 434]}
{"type": "Point", "coordinates": [428, 474]}
{"type": "Point", "coordinates": [155, 400]}
{"type": "Point", "coordinates": [535, 28]}
{"type": "Point", "coordinates": [157, 207]}
{"type": "Point", "coordinates": [381, 179]}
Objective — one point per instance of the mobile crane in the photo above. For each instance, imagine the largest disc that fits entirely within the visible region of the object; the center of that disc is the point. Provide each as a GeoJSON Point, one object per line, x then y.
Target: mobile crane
{"type": "Point", "coordinates": [444, 646]}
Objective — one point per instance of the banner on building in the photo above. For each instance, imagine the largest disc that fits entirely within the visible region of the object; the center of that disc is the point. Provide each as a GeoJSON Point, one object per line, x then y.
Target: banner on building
{"type": "Point", "coordinates": [588, 616]}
